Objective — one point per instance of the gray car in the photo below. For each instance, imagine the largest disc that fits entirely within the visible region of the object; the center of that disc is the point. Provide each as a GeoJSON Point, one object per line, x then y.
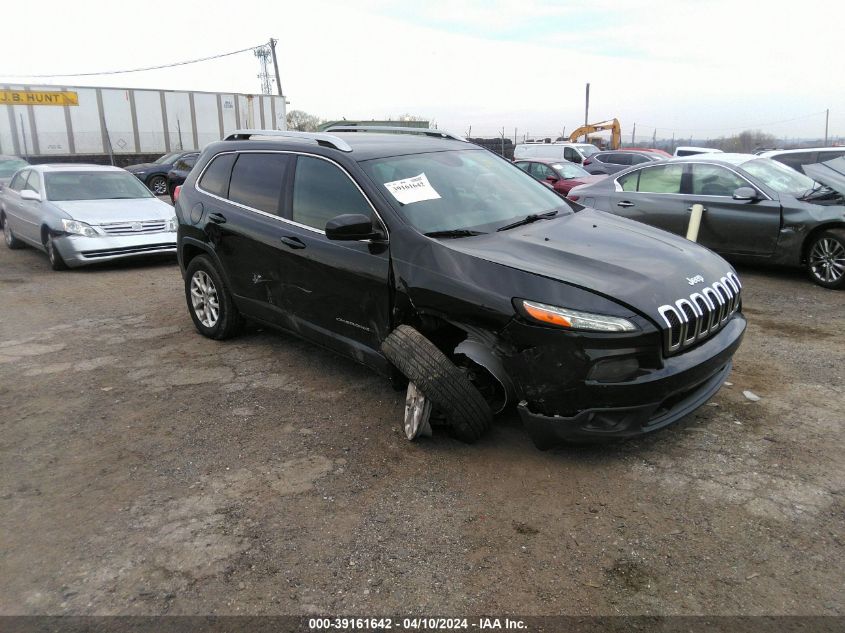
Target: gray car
{"type": "Point", "coordinates": [611, 162]}
{"type": "Point", "coordinates": [756, 209]}
{"type": "Point", "coordinates": [82, 214]}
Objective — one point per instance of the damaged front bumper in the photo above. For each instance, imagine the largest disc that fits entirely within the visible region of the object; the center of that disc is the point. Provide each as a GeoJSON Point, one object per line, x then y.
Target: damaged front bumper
{"type": "Point", "coordinates": [646, 404]}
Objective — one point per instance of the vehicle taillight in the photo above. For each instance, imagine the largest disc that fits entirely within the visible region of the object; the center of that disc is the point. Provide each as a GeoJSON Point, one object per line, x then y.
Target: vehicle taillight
{"type": "Point", "coordinates": [176, 192]}
{"type": "Point", "coordinates": [587, 161]}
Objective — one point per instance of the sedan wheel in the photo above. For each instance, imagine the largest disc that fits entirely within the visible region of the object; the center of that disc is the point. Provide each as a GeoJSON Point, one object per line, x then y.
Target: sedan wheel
{"type": "Point", "coordinates": [826, 259]}
{"type": "Point", "coordinates": [9, 237]}
{"type": "Point", "coordinates": [158, 185]}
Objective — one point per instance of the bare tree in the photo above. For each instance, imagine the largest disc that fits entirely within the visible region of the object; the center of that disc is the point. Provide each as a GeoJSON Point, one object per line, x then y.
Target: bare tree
{"type": "Point", "coordinates": [745, 142]}
{"type": "Point", "coordinates": [302, 121]}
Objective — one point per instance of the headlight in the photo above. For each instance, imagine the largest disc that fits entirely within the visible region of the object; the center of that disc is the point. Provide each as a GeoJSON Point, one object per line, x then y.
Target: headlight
{"type": "Point", "coordinates": [173, 224]}
{"type": "Point", "coordinates": [575, 320]}
{"type": "Point", "coordinates": [75, 227]}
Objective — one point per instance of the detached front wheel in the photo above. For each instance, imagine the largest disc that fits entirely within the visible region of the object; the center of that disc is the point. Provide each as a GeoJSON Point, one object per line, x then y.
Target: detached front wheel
{"type": "Point", "coordinates": [826, 259]}
{"type": "Point", "coordinates": [441, 382]}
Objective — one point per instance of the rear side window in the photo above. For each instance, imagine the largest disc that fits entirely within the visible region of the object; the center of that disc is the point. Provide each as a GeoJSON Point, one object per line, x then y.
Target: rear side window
{"type": "Point", "coordinates": [258, 180]}
{"type": "Point", "coordinates": [321, 192]}
{"type": "Point", "coordinates": [658, 179]}
{"type": "Point", "coordinates": [523, 165]}
{"type": "Point", "coordinates": [797, 160]}
{"type": "Point", "coordinates": [637, 159]}
{"type": "Point", "coordinates": [18, 180]}
{"type": "Point", "coordinates": [618, 158]}
{"type": "Point", "coordinates": [216, 177]}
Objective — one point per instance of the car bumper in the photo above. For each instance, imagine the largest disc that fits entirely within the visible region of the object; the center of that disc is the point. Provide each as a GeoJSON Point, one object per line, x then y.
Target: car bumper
{"type": "Point", "coordinates": [77, 250]}
{"type": "Point", "coordinates": [651, 403]}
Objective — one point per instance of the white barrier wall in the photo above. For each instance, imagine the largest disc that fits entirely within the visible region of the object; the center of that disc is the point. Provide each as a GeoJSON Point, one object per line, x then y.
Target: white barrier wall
{"type": "Point", "coordinates": [129, 121]}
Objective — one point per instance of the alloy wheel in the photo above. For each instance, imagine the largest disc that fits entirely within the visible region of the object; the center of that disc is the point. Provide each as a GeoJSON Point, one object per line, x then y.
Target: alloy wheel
{"type": "Point", "coordinates": [417, 413]}
{"type": "Point", "coordinates": [204, 299]}
{"type": "Point", "coordinates": [159, 186]}
{"type": "Point", "coordinates": [7, 233]}
{"type": "Point", "coordinates": [827, 259]}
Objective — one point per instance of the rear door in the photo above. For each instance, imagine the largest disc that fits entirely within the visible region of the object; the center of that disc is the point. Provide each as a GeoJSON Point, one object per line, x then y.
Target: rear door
{"type": "Point", "coordinates": [652, 195]}
{"type": "Point", "coordinates": [339, 290]}
{"type": "Point", "coordinates": [732, 226]}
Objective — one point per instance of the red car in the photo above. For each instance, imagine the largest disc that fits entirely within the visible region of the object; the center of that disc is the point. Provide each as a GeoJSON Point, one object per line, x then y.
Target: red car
{"type": "Point", "coordinates": [560, 175]}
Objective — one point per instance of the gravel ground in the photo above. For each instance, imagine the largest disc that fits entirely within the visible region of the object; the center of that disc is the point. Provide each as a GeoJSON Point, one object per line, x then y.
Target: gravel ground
{"type": "Point", "coordinates": [147, 470]}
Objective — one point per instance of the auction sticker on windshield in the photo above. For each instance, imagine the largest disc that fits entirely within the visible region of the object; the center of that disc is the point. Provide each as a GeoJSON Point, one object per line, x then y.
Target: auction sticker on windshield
{"type": "Point", "coordinates": [415, 189]}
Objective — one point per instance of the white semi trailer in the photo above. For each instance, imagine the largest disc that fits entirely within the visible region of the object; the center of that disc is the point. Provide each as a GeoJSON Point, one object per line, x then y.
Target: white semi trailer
{"type": "Point", "coordinates": [48, 123]}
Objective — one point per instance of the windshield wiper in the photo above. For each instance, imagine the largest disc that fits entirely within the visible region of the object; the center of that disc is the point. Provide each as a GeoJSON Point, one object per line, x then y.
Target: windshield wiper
{"type": "Point", "coordinates": [821, 191]}
{"type": "Point", "coordinates": [528, 219]}
{"type": "Point", "coordinates": [454, 233]}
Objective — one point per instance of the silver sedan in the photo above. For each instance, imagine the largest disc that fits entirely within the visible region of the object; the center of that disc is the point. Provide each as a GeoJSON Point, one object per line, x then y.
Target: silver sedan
{"type": "Point", "coordinates": [82, 214]}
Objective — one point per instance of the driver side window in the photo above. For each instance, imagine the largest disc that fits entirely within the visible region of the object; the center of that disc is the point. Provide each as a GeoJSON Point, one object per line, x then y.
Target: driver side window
{"type": "Point", "coordinates": [322, 192]}
{"type": "Point", "coordinates": [713, 180]}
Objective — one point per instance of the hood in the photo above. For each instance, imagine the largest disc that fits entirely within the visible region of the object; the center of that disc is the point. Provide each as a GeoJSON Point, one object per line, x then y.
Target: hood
{"type": "Point", "coordinates": [830, 173]}
{"type": "Point", "coordinates": [626, 261]}
{"type": "Point", "coordinates": [140, 167]}
{"type": "Point", "coordinates": [105, 211]}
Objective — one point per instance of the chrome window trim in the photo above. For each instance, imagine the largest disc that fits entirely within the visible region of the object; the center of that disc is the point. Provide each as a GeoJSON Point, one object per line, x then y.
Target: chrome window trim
{"type": "Point", "coordinates": [618, 188]}
{"type": "Point", "coordinates": [278, 217]}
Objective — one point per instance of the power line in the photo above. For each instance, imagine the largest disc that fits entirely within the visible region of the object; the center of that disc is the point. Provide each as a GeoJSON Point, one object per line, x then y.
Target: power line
{"type": "Point", "coordinates": [135, 70]}
{"type": "Point", "coordinates": [737, 127]}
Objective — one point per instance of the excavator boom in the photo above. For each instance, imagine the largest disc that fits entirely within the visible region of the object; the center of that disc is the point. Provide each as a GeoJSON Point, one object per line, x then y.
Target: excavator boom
{"type": "Point", "coordinates": [591, 128]}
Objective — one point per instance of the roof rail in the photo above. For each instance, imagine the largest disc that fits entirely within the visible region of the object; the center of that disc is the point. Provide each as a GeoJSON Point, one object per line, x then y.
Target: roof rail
{"type": "Point", "coordinates": [326, 140]}
{"type": "Point", "coordinates": [395, 130]}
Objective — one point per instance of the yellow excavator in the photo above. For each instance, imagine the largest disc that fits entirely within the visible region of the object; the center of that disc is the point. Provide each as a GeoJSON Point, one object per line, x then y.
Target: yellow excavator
{"type": "Point", "coordinates": [591, 128]}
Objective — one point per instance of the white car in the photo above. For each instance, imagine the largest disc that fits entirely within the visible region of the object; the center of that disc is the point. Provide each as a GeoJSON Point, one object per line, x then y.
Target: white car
{"type": "Point", "coordinates": [797, 158]}
{"type": "Point", "coordinates": [82, 214]}
{"type": "Point", "coordinates": [573, 152]}
{"type": "Point", "coordinates": [689, 150]}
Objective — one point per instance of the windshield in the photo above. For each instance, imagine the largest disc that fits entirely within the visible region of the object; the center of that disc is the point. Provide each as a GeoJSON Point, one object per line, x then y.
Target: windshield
{"type": "Point", "coordinates": [9, 167]}
{"type": "Point", "coordinates": [779, 177]}
{"type": "Point", "coordinates": [463, 189]}
{"type": "Point", "coordinates": [569, 170]}
{"type": "Point", "coordinates": [588, 150]}
{"type": "Point", "coordinates": [94, 185]}
{"type": "Point", "coordinates": [167, 158]}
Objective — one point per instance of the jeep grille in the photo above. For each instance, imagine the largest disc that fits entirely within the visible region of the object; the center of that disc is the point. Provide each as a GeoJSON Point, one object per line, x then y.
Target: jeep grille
{"type": "Point", "coordinates": [693, 319]}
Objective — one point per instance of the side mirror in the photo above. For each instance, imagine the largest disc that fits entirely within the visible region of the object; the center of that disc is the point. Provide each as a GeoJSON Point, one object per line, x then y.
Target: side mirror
{"type": "Point", "coordinates": [746, 194]}
{"type": "Point", "coordinates": [29, 194]}
{"type": "Point", "coordinates": [351, 226]}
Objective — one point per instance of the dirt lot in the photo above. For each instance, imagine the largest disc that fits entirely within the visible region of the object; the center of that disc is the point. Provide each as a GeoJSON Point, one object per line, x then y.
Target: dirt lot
{"type": "Point", "coordinates": [147, 470]}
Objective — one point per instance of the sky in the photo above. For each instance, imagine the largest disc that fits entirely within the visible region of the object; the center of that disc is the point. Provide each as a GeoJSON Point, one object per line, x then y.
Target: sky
{"type": "Point", "coordinates": [692, 68]}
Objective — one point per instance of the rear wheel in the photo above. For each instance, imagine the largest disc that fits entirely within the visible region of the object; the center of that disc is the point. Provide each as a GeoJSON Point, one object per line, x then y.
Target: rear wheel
{"type": "Point", "coordinates": [158, 185]}
{"type": "Point", "coordinates": [9, 237]}
{"type": "Point", "coordinates": [56, 261]}
{"type": "Point", "coordinates": [447, 387]}
{"type": "Point", "coordinates": [826, 258]}
{"type": "Point", "coordinates": [210, 303]}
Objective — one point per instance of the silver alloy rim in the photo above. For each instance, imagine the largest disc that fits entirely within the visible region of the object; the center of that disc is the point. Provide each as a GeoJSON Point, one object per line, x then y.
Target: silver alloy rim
{"type": "Point", "coordinates": [827, 259]}
{"type": "Point", "coordinates": [417, 413]}
{"type": "Point", "coordinates": [51, 252]}
{"type": "Point", "coordinates": [204, 299]}
{"type": "Point", "coordinates": [159, 186]}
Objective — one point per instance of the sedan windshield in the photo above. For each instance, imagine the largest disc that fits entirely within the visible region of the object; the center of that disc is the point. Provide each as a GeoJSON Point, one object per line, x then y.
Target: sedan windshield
{"type": "Point", "coordinates": [167, 158]}
{"type": "Point", "coordinates": [588, 150]}
{"type": "Point", "coordinates": [779, 177]}
{"type": "Point", "coordinates": [470, 190]}
{"type": "Point", "coordinates": [9, 167]}
{"type": "Point", "coordinates": [94, 185]}
{"type": "Point", "coordinates": [569, 170]}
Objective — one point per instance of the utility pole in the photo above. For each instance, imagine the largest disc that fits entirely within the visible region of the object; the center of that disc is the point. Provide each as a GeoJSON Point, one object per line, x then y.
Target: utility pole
{"type": "Point", "coordinates": [587, 110]}
{"type": "Point", "coordinates": [634, 135]}
{"type": "Point", "coordinates": [826, 120]}
{"type": "Point", "coordinates": [514, 136]}
{"type": "Point", "coordinates": [276, 66]}
{"type": "Point", "coordinates": [672, 147]}
{"type": "Point", "coordinates": [23, 135]}
{"type": "Point", "coordinates": [503, 141]}
{"type": "Point", "coordinates": [654, 139]}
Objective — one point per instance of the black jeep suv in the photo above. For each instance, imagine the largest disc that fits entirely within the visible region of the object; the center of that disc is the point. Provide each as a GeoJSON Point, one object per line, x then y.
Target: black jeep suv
{"type": "Point", "coordinates": [441, 265]}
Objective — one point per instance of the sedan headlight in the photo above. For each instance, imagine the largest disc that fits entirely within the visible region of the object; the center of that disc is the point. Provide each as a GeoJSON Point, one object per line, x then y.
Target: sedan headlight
{"type": "Point", "coordinates": [173, 224]}
{"type": "Point", "coordinates": [575, 320]}
{"type": "Point", "coordinates": [75, 227]}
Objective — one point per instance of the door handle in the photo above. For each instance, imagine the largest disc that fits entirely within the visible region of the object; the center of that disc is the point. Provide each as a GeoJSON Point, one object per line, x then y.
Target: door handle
{"type": "Point", "coordinates": [293, 242]}
{"type": "Point", "coordinates": [689, 208]}
{"type": "Point", "coordinates": [217, 218]}
{"type": "Point", "coordinates": [624, 203]}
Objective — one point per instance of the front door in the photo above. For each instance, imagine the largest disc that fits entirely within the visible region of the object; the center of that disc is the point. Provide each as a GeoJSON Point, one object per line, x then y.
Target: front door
{"type": "Point", "coordinates": [338, 290]}
{"type": "Point", "coordinates": [732, 226]}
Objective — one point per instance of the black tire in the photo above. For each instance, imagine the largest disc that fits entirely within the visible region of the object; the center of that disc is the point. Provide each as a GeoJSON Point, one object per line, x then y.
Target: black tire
{"type": "Point", "coordinates": [467, 413]}
{"type": "Point", "coordinates": [228, 320]}
{"type": "Point", "coordinates": [826, 258]}
{"type": "Point", "coordinates": [11, 241]}
{"type": "Point", "coordinates": [56, 261]}
{"type": "Point", "coordinates": [158, 185]}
